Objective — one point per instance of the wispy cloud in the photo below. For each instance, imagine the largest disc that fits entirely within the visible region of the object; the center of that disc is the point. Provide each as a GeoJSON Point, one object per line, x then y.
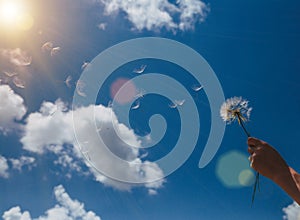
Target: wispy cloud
{"type": "Point", "coordinates": [16, 56]}
{"type": "Point", "coordinates": [44, 132]}
{"type": "Point", "coordinates": [157, 14]}
{"type": "Point", "coordinates": [66, 209]}
{"type": "Point", "coordinates": [21, 162]}
{"type": "Point", "coordinates": [292, 212]}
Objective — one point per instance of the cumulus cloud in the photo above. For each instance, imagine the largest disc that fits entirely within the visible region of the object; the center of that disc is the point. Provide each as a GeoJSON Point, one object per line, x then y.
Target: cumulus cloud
{"type": "Point", "coordinates": [45, 132]}
{"type": "Point", "coordinates": [66, 209]}
{"type": "Point", "coordinates": [292, 212]}
{"type": "Point", "coordinates": [157, 14]}
{"type": "Point", "coordinates": [16, 214]}
{"type": "Point", "coordinates": [11, 107]}
{"type": "Point", "coordinates": [3, 167]}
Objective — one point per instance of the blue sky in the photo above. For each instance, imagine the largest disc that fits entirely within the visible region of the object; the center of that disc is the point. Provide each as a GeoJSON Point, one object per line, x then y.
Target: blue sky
{"type": "Point", "coordinates": [253, 49]}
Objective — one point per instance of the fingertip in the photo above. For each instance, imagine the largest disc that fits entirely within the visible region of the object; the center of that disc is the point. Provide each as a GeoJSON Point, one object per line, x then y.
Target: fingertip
{"type": "Point", "coordinates": [253, 141]}
{"type": "Point", "coordinates": [253, 138]}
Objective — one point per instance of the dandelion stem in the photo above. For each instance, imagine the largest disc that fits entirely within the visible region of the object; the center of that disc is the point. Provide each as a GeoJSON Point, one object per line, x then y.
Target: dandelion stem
{"type": "Point", "coordinates": [243, 126]}
{"type": "Point", "coordinates": [256, 183]}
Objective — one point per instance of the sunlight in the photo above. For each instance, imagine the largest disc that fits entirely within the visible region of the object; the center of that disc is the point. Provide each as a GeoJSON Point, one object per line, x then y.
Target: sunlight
{"type": "Point", "coordinates": [13, 15]}
{"type": "Point", "coordinates": [10, 11]}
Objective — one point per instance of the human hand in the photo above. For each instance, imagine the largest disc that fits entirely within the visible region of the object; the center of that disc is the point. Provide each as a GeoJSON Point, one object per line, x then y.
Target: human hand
{"type": "Point", "coordinates": [266, 160]}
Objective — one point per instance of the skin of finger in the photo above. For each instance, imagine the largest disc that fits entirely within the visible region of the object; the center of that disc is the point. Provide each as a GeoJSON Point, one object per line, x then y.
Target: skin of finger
{"type": "Point", "coordinates": [268, 162]}
{"type": "Point", "coordinates": [250, 150]}
{"type": "Point", "coordinates": [254, 141]}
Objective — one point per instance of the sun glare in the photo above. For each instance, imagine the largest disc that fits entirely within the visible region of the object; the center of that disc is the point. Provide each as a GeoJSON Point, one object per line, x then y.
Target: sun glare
{"type": "Point", "coordinates": [10, 11]}
{"type": "Point", "coordinates": [13, 15]}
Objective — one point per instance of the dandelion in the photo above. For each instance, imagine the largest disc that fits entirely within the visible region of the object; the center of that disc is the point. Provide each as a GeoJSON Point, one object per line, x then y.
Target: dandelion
{"type": "Point", "coordinates": [237, 108]}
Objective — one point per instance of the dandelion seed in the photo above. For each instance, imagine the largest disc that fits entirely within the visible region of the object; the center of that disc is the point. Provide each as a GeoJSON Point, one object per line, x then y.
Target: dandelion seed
{"type": "Point", "coordinates": [180, 102]}
{"type": "Point", "coordinates": [140, 70]}
{"type": "Point", "coordinates": [172, 105]}
{"type": "Point", "coordinates": [176, 103]}
{"type": "Point", "coordinates": [55, 51]}
{"type": "Point", "coordinates": [197, 88]}
{"type": "Point", "coordinates": [136, 105]}
{"type": "Point", "coordinates": [68, 81]}
{"type": "Point", "coordinates": [144, 155]}
{"type": "Point", "coordinates": [10, 74]}
{"type": "Point", "coordinates": [85, 65]}
{"type": "Point", "coordinates": [48, 46]}
{"type": "Point", "coordinates": [18, 82]}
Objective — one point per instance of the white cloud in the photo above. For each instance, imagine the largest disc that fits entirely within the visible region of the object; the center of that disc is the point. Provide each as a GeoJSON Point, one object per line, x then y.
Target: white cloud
{"type": "Point", "coordinates": [66, 209]}
{"type": "Point", "coordinates": [292, 212]}
{"type": "Point", "coordinates": [57, 212]}
{"type": "Point", "coordinates": [11, 107]}
{"type": "Point", "coordinates": [45, 132]}
{"type": "Point", "coordinates": [43, 129]}
{"type": "Point", "coordinates": [3, 167]}
{"type": "Point", "coordinates": [19, 163]}
{"type": "Point", "coordinates": [152, 192]}
{"type": "Point", "coordinates": [16, 56]}
{"type": "Point", "coordinates": [102, 26]}
{"type": "Point", "coordinates": [191, 12]}
{"type": "Point", "coordinates": [16, 214]}
{"type": "Point", "coordinates": [69, 161]}
{"type": "Point", "coordinates": [157, 14]}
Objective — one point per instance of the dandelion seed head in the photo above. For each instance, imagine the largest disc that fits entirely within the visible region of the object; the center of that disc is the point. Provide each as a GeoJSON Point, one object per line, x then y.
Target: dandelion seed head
{"type": "Point", "coordinates": [235, 108]}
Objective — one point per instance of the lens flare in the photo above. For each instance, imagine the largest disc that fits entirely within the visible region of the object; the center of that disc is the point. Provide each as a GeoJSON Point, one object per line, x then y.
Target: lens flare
{"type": "Point", "coordinates": [233, 170]}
